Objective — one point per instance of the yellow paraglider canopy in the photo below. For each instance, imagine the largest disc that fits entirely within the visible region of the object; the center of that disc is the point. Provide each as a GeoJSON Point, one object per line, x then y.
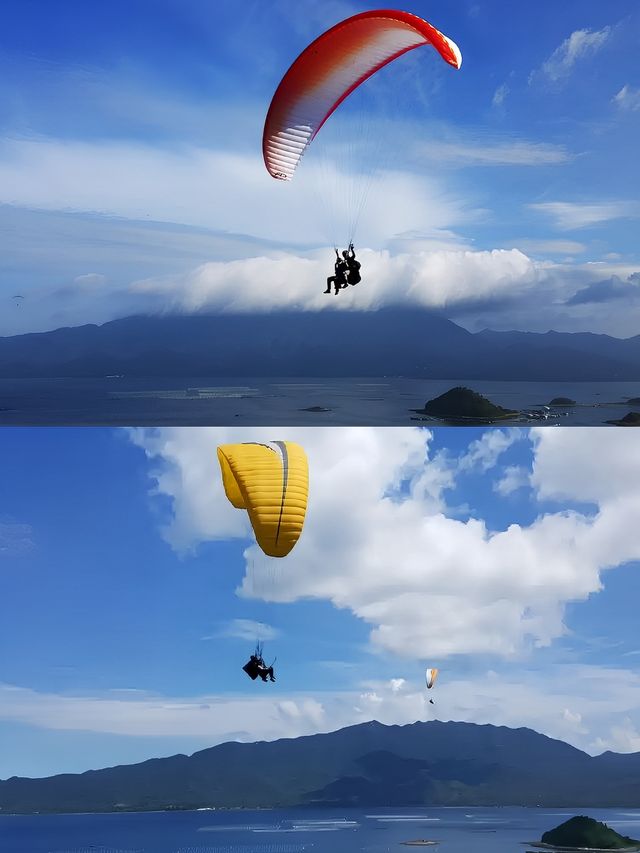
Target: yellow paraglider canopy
{"type": "Point", "coordinates": [270, 481]}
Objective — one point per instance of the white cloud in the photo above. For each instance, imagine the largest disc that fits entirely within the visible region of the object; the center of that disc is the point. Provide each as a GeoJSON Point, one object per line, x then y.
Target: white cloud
{"type": "Point", "coordinates": [390, 558]}
{"type": "Point", "coordinates": [628, 98]}
{"type": "Point", "coordinates": [496, 153]}
{"type": "Point", "coordinates": [580, 45]}
{"type": "Point", "coordinates": [570, 215]}
{"type": "Point", "coordinates": [624, 737]}
{"type": "Point", "coordinates": [248, 629]}
{"type": "Point", "coordinates": [513, 478]}
{"type": "Point", "coordinates": [15, 539]}
{"type": "Point", "coordinates": [500, 95]}
{"type": "Point", "coordinates": [90, 280]}
{"type": "Point", "coordinates": [483, 454]}
{"type": "Point", "coordinates": [548, 247]}
{"type": "Point", "coordinates": [221, 190]}
{"type": "Point", "coordinates": [430, 279]}
{"type": "Point", "coordinates": [560, 703]}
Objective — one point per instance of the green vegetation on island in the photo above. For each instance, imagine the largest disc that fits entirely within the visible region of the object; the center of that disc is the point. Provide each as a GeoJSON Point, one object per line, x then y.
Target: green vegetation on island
{"type": "Point", "coordinates": [585, 833]}
{"type": "Point", "coordinates": [463, 404]}
{"type": "Point", "coordinates": [562, 401]}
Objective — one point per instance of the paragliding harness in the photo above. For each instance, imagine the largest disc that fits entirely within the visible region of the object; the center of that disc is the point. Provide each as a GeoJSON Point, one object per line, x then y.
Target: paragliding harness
{"type": "Point", "coordinates": [256, 666]}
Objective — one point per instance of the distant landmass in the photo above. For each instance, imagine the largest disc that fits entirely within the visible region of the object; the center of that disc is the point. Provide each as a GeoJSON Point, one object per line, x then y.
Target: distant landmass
{"type": "Point", "coordinates": [389, 342]}
{"type": "Point", "coordinates": [433, 763]}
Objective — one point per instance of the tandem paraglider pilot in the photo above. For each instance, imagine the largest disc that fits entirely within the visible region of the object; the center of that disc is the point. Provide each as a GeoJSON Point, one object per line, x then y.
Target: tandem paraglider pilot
{"type": "Point", "coordinates": [256, 666]}
{"type": "Point", "coordinates": [347, 271]}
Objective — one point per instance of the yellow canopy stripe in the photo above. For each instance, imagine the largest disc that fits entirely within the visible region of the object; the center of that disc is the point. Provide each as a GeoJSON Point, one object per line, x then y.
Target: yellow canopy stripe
{"type": "Point", "coordinates": [270, 481]}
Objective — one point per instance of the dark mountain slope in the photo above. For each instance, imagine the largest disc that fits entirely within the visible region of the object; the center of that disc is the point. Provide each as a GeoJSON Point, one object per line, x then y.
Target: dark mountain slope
{"type": "Point", "coordinates": [368, 764]}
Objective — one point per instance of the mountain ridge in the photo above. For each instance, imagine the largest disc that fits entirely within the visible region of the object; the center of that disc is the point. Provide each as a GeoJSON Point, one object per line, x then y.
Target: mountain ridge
{"type": "Point", "coordinates": [388, 342]}
{"type": "Point", "coordinates": [367, 764]}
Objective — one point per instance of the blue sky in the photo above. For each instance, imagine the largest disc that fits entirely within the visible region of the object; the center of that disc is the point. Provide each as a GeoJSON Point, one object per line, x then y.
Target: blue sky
{"type": "Point", "coordinates": [131, 592]}
{"type": "Point", "coordinates": [131, 176]}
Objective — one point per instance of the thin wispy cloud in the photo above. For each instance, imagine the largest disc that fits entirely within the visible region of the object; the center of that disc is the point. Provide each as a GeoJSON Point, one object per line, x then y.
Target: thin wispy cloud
{"type": "Point", "coordinates": [484, 453]}
{"type": "Point", "coordinates": [500, 95]}
{"type": "Point", "coordinates": [628, 98]}
{"type": "Point", "coordinates": [548, 247]}
{"type": "Point", "coordinates": [569, 216]}
{"type": "Point", "coordinates": [496, 153]}
{"type": "Point", "coordinates": [15, 539]}
{"type": "Point", "coordinates": [580, 45]}
{"type": "Point", "coordinates": [567, 709]}
{"type": "Point", "coordinates": [248, 629]}
{"type": "Point", "coordinates": [513, 478]}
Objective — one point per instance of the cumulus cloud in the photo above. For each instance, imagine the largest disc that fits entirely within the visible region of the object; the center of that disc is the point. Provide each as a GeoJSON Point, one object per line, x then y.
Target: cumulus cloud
{"type": "Point", "coordinates": [627, 98]}
{"type": "Point", "coordinates": [429, 279]}
{"type": "Point", "coordinates": [391, 554]}
{"type": "Point", "coordinates": [580, 45]}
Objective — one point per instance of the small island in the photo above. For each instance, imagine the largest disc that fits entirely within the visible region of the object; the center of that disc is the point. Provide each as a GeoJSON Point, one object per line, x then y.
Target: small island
{"type": "Point", "coordinates": [585, 833]}
{"type": "Point", "coordinates": [630, 419]}
{"type": "Point", "coordinates": [315, 409]}
{"type": "Point", "coordinates": [634, 401]}
{"type": "Point", "coordinates": [562, 401]}
{"type": "Point", "coordinates": [465, 406]}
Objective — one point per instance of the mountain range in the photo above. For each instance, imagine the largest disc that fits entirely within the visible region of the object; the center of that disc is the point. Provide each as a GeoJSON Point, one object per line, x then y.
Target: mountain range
{"type": "Point", "coordinates": [370, 764]}
{"type": "Point", "coordinates": [389, 342]}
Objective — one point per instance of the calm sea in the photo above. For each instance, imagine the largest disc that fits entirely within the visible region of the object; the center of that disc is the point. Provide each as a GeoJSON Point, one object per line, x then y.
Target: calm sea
{"type": "Point", "coordinates": [457, 830]}
{"type": "Point", "coordinates": [285, 402]}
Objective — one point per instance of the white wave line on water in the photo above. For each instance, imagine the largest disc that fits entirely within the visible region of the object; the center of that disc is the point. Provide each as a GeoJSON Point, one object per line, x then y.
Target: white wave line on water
{"type": "Point", "coordinates": [412, 819]}
{"type": "Point", "coordinates": [399, 815]}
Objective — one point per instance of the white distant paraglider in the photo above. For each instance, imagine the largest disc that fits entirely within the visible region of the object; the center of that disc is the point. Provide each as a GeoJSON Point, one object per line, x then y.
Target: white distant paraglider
{"type": "Point", "coordinates": [430, 678]}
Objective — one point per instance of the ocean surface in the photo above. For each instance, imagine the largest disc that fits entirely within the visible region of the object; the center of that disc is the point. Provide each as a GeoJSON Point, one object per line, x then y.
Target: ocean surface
{"type": "Point", "coordinates": [286, 402]}
{"type": "Point", "coordinates": [457, 830]}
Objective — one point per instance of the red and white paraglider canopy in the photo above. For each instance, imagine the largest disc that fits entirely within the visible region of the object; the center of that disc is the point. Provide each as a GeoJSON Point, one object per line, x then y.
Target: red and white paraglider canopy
{"type": "Point", "coordinates": [332, 67]}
